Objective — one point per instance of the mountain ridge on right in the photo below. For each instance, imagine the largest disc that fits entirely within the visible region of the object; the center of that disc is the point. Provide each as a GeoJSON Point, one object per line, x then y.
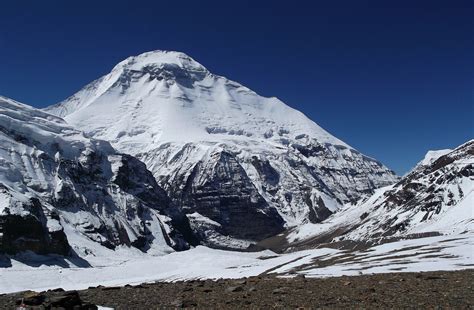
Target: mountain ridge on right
{"type": "Point", "coordinates": [435, 198]}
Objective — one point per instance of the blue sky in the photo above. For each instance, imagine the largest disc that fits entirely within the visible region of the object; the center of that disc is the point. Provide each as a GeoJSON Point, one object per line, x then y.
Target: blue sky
{"type": "Point", "coordinates": [391, 78]}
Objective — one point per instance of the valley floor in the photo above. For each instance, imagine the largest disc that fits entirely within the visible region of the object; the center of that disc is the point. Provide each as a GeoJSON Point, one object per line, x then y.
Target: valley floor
{"type": "Point", "coordinates": [124, 266]}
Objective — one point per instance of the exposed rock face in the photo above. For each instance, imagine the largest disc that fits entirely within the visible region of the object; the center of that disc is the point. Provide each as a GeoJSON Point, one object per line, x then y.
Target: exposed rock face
{"type": "Point", "coordinates": [220, 190]}
{"type": "Point", "coordinates": [20, 233]}
{"type": "Point", "coordinates": [194, 130]}
{"type": "Point", "coordinates": [56, 183]}
{"type": "Point", "coordinates": [299, 188]}
{"type": "Point", "coordinates": [318, 213]}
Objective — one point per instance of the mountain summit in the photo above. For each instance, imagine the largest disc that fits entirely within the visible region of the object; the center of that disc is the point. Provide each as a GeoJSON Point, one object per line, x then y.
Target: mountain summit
{"type": "Point", "coordinates": [229, 158]}
{"type": "Point", "coordinates": [168, 96]}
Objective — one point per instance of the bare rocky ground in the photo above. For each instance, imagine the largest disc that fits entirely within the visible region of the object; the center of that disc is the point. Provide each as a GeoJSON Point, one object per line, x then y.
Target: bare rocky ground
{"type": "Point", "coordinates": [430, 290]}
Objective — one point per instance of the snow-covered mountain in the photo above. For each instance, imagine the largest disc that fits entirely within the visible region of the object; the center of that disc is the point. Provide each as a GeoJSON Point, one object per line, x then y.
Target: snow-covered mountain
{"type": "Point", "coordinates": [431, 156]}
{"type": "Point", "coordinates": [241, 166]}
{"type": "Point", "coordinates": [56, 185]}
{"type": "Point", "coordinates": [436, 197]}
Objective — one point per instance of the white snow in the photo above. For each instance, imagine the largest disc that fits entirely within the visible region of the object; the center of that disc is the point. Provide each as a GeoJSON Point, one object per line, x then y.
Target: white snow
{"type": "Point", "coordinates": [425, 254]}
{"type": "Point", "coordinates": [211, 109]}
{"type": "Point", "coordinates": [138, 115]}
{"type": "Point", "coordinates": [431, 156]}
{"type": "Point", "coordinates": [453, 220]}
{"type": "Point", "coordinates": [347, 216]}
{"type": "Point", "coordinates": [128, 267]}
{"type": "Point", "coordinates": [200, 218]}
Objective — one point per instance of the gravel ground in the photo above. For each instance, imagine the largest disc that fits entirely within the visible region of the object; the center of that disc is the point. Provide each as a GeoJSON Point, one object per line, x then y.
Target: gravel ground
{"type": "Point", "coordinates": [453, 290]}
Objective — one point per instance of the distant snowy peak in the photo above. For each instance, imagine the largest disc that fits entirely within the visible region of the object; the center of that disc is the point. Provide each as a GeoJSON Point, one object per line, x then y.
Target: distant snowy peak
{"type": "Point", "coordinates": [431, 156]}
{"type": "Point", "coordinates": [160, 59]}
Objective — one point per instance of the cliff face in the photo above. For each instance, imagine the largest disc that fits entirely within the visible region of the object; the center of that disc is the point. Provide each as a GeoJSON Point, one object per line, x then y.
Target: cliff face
{"type": "Point", "coordinates": [54, 181]}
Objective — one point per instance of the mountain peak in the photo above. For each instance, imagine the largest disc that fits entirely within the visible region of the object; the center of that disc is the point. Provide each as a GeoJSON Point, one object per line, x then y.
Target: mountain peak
{"type": "Point", "coordinates": [432, 155]}
{"type": "Point", "coordinates": [214, 144]}
{"type": "Point", "coordinates": [168, 96]}
{"type": "Point", "coordinates": [160, 59]}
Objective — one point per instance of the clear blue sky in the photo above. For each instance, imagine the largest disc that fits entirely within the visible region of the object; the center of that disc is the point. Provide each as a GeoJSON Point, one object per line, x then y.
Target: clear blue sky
{"type": "Point", "coordinates": [391, 78]}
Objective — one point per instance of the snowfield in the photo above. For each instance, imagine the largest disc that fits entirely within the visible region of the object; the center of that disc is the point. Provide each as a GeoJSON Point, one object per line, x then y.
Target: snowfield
{"type": "Point", "coordinates": [125, 266]}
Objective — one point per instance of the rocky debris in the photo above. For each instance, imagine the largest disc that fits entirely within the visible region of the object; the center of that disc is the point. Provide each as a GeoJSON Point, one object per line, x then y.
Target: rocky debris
{"type": "Point", "coordinates": [111, 288]}
{"type": "Point", "coordinates": [280, 290]}
{"type": "Point", "coordinates": [443, 289]}
{"type": "Point", "coordinates": [32, 299]}
{"type": "Point", "coordinates": [54, 299]}
{"type": "Point", "coordinates": [187, 303]}
{"type": "Point", "coordinates": [232, 289]}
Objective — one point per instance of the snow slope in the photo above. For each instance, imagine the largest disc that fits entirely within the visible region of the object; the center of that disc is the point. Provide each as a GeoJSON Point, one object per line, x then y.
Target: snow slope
{"type": "Point", "coordinates": [55, 181]}
{"type": "Point", "coordinates": [427, 254]}
{"type": "Point", "coordinates": [195, 130]}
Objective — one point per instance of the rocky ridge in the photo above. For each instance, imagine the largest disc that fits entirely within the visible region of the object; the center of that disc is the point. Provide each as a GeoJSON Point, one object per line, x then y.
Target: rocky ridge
{"type": "Point", "coordinates": [436, 197]}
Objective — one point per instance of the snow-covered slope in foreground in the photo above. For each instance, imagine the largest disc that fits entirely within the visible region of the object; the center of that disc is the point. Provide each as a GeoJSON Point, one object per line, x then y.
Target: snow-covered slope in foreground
{"type": "Point", "coordinates": [437, 197]}
{"type": "Point", "coordinates": [240, 165]}
{"type": "Point", "coordinates": [54, 181]}
{"type": "Point", "coordinates": [427, 254]}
